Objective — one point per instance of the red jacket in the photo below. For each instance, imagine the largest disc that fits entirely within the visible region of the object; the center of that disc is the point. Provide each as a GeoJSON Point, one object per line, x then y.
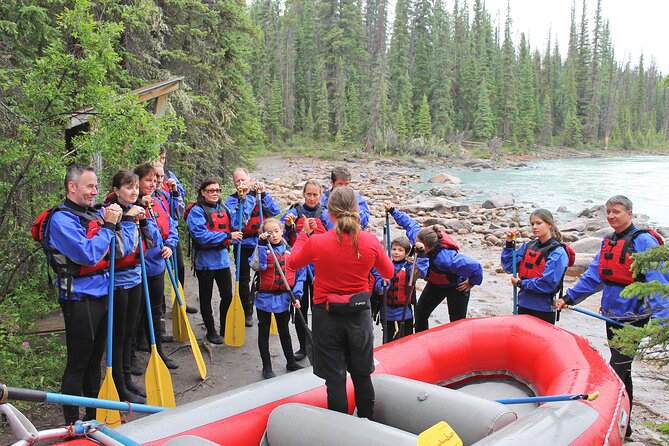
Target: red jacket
{"type": "Point", "coordinates": [337, 267]}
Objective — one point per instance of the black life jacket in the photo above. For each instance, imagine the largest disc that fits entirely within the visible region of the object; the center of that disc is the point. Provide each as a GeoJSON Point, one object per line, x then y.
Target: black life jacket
{"type": "Point", "coordinates": [62, 265]}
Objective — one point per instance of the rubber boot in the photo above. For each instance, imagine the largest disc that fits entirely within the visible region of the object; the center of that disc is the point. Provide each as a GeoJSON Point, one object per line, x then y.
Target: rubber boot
{"type": "Point", "coordinates": [169, 363]}
{"type": "Point", "coordinates": [126, 395]}
{"type": "Point", "coordinates": [212, 336]}
{"type": "Point", "coordinates": [287, 347]}
{"type": "Point", "coordinates": [131, 386]}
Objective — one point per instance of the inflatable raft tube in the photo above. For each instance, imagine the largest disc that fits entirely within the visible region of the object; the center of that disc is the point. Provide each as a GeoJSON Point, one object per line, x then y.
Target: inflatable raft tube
{"type": "Point", "coordinates": [542, 357]}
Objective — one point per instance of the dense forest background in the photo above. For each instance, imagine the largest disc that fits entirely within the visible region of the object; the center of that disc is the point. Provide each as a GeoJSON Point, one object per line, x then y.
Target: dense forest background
{"type": "Point", "coordinates": [269, 75]}
{"type": "Point", "coordinates": [331, 69]}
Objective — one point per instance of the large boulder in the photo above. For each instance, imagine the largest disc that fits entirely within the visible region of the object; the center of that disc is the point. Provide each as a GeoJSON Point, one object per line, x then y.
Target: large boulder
{"type": "Point", "coordinates": [445, 178]}
{"type": "Point", "coordinates": [577, 225]}
{"type": "Point", "coordinates": [456, 225]}
{"type": "Point", "coordinates": [603, 233]}
{"type": "Point", "coordinates": [499, 201]}
{"type": "Point", "coordinates": [587, 245]}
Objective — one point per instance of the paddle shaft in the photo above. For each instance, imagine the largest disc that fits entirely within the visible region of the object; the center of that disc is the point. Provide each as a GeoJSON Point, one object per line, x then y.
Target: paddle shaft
{"type": "Point", "coordinates": [300, 316]}
{"type": "Point", "coordinates": [515, 274]}
{"type": "Point", "coordinates": [387, 231]}
{"type": "Point", "coordinates": [598, 316]}
{"type": "Point", "coordinates": [385, 312]}
{"type": "Point", "coordinates": [110, 302]}
{"type": "Point", "coordinates": [37, 396]}
{"type": "Point", "coordinates": [550, 399]}
{"type": "Point", "coordinates": [238, 257]}
{"type": "Point", "coordinates": [145, 283]}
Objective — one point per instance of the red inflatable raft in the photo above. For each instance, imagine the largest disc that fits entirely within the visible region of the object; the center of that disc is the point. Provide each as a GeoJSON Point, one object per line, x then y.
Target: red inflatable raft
{"type": "Point", "coordinates": [545, 359]}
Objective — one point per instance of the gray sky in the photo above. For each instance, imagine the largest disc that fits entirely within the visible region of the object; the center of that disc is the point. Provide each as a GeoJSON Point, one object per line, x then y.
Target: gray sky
{"type": "Point", "coordinates": [636, 25]}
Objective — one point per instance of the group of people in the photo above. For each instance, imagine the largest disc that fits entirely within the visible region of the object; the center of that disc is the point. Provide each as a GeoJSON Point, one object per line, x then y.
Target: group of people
{"type": "Point", "coordinates": [317, 256]}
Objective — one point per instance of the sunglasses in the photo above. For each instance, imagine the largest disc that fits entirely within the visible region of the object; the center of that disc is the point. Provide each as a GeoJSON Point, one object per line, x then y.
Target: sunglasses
{"type": "Point", "coordinates": [213, 191]}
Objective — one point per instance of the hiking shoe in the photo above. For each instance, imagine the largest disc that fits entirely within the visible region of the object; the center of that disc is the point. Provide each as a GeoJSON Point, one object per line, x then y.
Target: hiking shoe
{"type": "Point", "coordinates": [249, 321]}
{"type": "Point", "coordinates": [214, 338]}
{"type": "Point", "coordinates": [293, 367]}
{"type": "Point", "coordinates": [267, 373]}
{"type": "Point", "coordinates": [143, 345]}
{"type": "Point", "coordinates": [300, 355]}
{"type": "Point", "coordinates": [628, 433]}
{"type": "Point", "coordinates": [191, 310]}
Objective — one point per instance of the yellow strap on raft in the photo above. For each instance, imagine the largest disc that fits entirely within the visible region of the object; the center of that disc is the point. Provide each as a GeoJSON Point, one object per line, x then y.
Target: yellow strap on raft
{"type": "Point", "coordinates": [441, 434]}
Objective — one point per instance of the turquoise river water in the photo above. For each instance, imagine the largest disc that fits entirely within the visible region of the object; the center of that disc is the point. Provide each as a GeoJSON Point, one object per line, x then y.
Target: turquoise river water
{"type": "Point", "coordinates": [576, 183]}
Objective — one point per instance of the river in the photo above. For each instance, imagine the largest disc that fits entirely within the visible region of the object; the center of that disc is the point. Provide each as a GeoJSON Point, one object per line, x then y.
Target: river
{"type": "Point", "coordinates": [576, 183]}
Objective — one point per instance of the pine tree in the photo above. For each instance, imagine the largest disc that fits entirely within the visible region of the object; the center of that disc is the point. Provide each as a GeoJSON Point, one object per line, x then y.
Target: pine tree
{"type": "Point", "coordinates": [484, 122]}
{"type": "Point", "coordinates": [509, 87]}
{"type": "Point", "coordinates": [441, 102]}
{"type": "Point", "coordinates": [400, 88]}
{"type": "Point", "coordinates": [424, 121]}
{"type": "Point", "coordinates": [322, 116]}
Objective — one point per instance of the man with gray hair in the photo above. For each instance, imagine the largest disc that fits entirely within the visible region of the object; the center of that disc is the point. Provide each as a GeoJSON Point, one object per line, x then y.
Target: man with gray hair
{"type": "Point", "coordinates": [610, 272]}
{"type": "Point", "coordinates": [77, 239]}
{"type": "Point", "coordinates": [341, 176]}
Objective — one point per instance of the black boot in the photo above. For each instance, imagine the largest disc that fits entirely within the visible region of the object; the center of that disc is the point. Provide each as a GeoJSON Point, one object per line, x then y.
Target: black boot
{"type": "Point", "coordinates": [126, 395]}
{"type": "Point", "coordinates": [300, 354]}
{"type": "Point", "coordinates": [267, 372]}
{"type": "Point", "coordinates": [135, 368]}
{"type": "Point", "coordinates": [132, 387]}
{"type": "Point", "coordinates": [212, 336]}
{"type": "Point", "coordinates": [170, 364]}
{"type": "Point", "coordinates": [293, 366]}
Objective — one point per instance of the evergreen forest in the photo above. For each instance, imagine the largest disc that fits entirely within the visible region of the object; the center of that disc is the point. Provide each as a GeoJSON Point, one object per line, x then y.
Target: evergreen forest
{"type": "Point", "coordinates": [445, 72]}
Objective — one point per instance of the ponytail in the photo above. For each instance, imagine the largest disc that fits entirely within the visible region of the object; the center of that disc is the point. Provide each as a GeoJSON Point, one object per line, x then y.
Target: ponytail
{"type": "Point", "coordinates": [343, 206]}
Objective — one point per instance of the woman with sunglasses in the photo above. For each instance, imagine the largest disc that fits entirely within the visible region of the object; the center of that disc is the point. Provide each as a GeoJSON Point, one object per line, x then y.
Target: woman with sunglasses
{"type": "Point", "coordinates": [210, 226]}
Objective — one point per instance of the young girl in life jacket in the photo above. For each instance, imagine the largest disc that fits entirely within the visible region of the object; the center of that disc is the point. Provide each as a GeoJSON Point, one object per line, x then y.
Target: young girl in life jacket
{"type": "Point", "coordinates": [318, 220]}
{"type": "Point", "coordinates": [541, 265]}
{"type": "Point", "coordinates": [450, 275]}
{"type": "Point", "coordinates": [273, 296]}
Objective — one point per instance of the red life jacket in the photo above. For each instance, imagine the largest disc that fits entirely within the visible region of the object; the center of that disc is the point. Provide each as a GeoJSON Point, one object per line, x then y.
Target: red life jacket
{"type": "Point", "coordinates": [399, 287]}
{"type": "Point", "coordinates": [62, 265]}
{"type": "Point", "coordinates": [615, 262]}
{"type": "Point", "coordinates": [533, 263]}
{"type": "Point", "coordinates": [270, 278]}
{"type": "Point", "coordinates": [299, 223]}
{"type": "Point", "coordinates": [132, 259]}
{"type": "Point", "coordinates": [434, 275]}
{"type": "Point", "coordinates": [161, 214]}
{"type": "Point", "coordinates": [217, 221]}
{"type": "Point", "coordinates": [252, 227]}
{"type": "Point", "coordinates": [163, 199]}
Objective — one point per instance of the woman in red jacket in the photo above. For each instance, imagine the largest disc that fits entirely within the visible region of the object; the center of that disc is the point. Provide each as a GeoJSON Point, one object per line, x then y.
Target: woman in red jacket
{"type": "Point", "coordinates": [343, 334]}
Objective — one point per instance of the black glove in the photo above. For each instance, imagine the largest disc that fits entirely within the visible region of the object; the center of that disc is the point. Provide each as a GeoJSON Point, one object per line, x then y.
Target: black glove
{"type": "Point", "coordinates": [263, 241]}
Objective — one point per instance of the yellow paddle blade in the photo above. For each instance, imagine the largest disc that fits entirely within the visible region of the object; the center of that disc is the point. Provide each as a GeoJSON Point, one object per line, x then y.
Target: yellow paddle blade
{"type": "Point", "coordinates": [111, 418]}
{"type": "Point", "coordinates": [441, 434]}
{"type": "Point", "coordinates": [234, 321]}
{"type": "Point", "coordinates": [174, 297]}
{"type": "Point", "coordinates": [194, 346]}
{"type": "Point", "coordinates": [179, 321]}
{"type": "Point", "coordinates": [158, 382]}
{"type": "Point", "coordinates": [273, 329]}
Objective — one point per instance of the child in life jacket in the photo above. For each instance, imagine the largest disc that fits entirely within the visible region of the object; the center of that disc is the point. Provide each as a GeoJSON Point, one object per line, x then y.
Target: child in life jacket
{"type": "Point", "coordinates": [318, 220]}
{"type": "Point", "coordinates": [273, 296]}
{"type": "Point", "coordinates": [400, 291]}
{"type": "Point", "coordinates": [541, 266]}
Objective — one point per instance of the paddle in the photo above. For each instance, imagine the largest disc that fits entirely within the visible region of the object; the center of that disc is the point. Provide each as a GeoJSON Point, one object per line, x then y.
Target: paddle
{"type": "Point", "coordinates": [108, 388]}
{"type": "Point", "coordinates": [157, 378]}
{"type": "Point", "coordinates": [409, 296]}
{"type": "Point", "coordinates": [598, 316]}
{"type": "Point", "coordinates": [553, 398]}
{"type": "Point", "coordinates": [385, 312]}
{"type": "Point", "coordinates": [179, 319]}
{"type": "Point", "coordinates": [197, 354]}
{"type": "Point", "coordinates": [38, 396]}
{"type": "Point", "coordinates": [387, 232]}
{"type": "Point", "coordinates": [273, 329]}
{"type": "Point", "coordinates": [307, 332]}
{"type": "Point", "coordinates": [234, 319]}
{"type": "Point", "coordinates": [515, 274]}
